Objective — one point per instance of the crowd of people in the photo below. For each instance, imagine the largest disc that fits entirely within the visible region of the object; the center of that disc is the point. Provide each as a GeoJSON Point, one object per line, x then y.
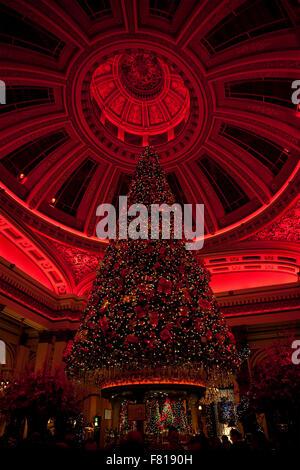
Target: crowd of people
{"type": "Point", "coordinates": [234, 445]}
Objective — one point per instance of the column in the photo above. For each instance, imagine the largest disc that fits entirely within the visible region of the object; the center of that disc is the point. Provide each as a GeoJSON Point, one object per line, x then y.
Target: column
{"type": "Point", "coordinates": [60, 341]}
{"type": "Point", "coordinates": [193, 401]}
{"type": "Point", "coordinates": [106, 424]}
{"type": "Point", "coordinates": [115, 413]}
{"type": "Point", "coordinates": [22, 356]}
{"type": "Point", "coordinates": [44, 350]}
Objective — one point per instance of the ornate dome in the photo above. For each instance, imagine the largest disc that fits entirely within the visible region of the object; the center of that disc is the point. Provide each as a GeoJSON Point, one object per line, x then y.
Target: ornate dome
{"type": "Point", "coordinates": [140, 96]}
{"type": "Point", "coordinates": [211, 91]}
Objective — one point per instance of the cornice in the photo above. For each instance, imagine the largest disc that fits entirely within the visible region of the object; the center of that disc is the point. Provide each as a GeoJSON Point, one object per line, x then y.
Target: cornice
{"type": "Point", "coordinates": [273, 299]}
{"type": "Point", "coordinates": [19, 287]}
{"type": "Point", "coordinates": [16, 285]}
{"type": "Point", "coordinates": [12, 209]}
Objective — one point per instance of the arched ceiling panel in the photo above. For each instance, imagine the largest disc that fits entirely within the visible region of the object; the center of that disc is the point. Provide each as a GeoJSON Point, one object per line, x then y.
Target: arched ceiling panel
{"type": "Point", "coordinates": [199, 80]}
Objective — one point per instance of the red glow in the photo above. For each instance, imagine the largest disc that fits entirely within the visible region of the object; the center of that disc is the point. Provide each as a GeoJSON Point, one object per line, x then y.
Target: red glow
{"type": "Point", "coordinates": [17, 256]}
{"type": "Point", "coordinates": [22, 251]}
{"type": "Point", "coordinates": [247, 280]}
{"type": "Point", "coordinates": [154, 109]}
{"type": "Point", "coordinates": [122, 383]}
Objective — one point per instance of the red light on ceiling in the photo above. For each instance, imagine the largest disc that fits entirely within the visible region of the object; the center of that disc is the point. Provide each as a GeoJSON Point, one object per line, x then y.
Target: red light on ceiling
{"type": "Point", "coordinates": [140, 95]}
{"type": "Point", "coordinates": [22, 178]}
{"type": "Point", "coordinates": [152, 381]}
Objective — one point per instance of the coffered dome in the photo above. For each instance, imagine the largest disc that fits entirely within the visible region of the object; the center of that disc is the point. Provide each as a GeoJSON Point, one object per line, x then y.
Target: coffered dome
{"type": "Point", "coordinates": [140, 96]}
{"type": "Point", "coordinates": [95, 83]}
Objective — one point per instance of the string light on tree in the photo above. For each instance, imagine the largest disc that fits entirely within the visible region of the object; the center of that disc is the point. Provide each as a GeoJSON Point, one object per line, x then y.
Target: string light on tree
{"type": "Point", "coordinates": [151, 305]}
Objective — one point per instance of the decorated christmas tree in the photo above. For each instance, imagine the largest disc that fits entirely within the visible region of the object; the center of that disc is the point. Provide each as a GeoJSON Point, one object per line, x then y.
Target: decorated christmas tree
{"type": "Point", "coordinates": [167, 417]}
{"type": "Point", "coordinates": [180, 418]}
{"type": "Point", "coordinates": [154, 425]}
{"type": "Point", "coordinates": [151, 311]}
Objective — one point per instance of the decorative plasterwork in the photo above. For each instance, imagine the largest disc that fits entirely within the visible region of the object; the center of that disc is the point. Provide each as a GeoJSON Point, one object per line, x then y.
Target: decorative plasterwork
{"type": "Point", "coordinates": [252, 264]}
{"type": "Point", "coordinates": [273, 299]}
{"type": "Point", "coordinates": [16, 286]}
{"type": "Point", "coordinates": [254, 223]}
{"type": "Point", "coordinates": [38, 257]}
{"type": "Point", "coordinates": [178, 43]}
{"type": "Point", "coordinates": [286, 228]}
{"type": "Point", "coordinates": [39, 224]}
{"type": "Point", "coordinates": [141, 95]}
{"type": "Point", "coordinates": [80, 262]}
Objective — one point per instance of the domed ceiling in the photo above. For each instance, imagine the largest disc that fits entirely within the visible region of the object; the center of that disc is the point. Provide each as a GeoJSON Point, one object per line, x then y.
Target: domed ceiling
{"type": "Point", "coordinates": [90, 83]}
{"type": "Point", "coordinates": [140, 99]}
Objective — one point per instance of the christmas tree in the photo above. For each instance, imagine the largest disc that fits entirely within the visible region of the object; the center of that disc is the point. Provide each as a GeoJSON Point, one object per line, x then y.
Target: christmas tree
{"type": "Point", "coordinates": [154, 425]}
{"type": "Point", "coordinates": [151, 307]}
{"type": "Point", "coordinates": [167, 414]}
{"type": "Point", "coordinates": [180, 418]}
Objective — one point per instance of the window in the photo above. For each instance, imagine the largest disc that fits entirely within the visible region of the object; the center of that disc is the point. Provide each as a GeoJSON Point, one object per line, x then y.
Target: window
{"type": "Point", "coordinates": [28, 156]}
{"type": "Point", "coordinates": [133, 139]}
{"type": "Point", "coordinates": [69, 196]}
{"type": "Point", "coordinates": [272, 155]}
{"type": "Point", "coordinates": [95, 8]}
{"type": "Point", "coordinates": [164, 8]}
{"type": "Point", "coordinates": [268, 90]}
{"type": "Point", "coordinates": [111, 128]}
{"type": "Point", "coordinates": [122, 189]}
{"type": "Point", "coordinates": [226, 188]}
{"type": "Point", "coordinates": [18, 97]}
{"type": "Point", "coordinates": [176, 189]}
{"type": "Point", "coordinates": [253, 18]}
{"type": "Point", "coordinates": [18, 30]}
{"type": "Point", "coordinates": [158, 139]}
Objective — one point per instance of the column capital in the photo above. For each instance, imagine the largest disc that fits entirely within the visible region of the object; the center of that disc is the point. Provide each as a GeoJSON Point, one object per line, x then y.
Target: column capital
{"type": "Point", "coordinates": [45, 336]}
{"type": "Point", "coordinates": [64, 335]}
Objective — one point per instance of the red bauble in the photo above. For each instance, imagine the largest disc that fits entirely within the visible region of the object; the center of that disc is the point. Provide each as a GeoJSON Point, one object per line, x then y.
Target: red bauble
{"type": "Point", "coordinates": [205, 304]}
{"type": "Point", "coordinates": [132, 339]}
{"type": "Point", "coordinates": [164, 286]}
{"type": "Point", "coordinates": [187, 295]}
{"type": "Point", "coordinates": [165, 334]}
{"type": "Point", "coordinates": [209, 335]}
{"type": "Point", "coordinates": [153, 317]}
{"type": "Point", "coordinates": [184, 311]}
{"type": "Point", "coordinates": [140, 312]}
{"type": "Point", "coordinates": [104, 324]}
